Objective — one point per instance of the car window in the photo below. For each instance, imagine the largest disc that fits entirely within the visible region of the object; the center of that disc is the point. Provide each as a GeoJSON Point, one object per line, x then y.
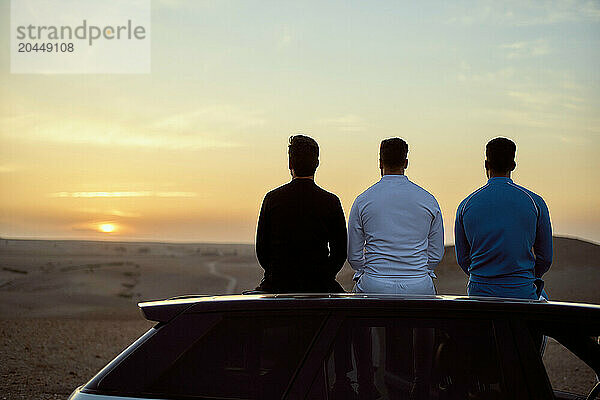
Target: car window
{"type": "Point", "coordinates": [244, 356]}
{"type": "Point", "coordinates": [570, 354]}
{"type": "Point", "coordinates": [566, 372]}
{"type": "Point", "coordinates": [392, 357]}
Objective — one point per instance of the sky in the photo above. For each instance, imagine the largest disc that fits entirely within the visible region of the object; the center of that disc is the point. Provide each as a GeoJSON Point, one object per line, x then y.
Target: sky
{"type": "Point", "coordinates": [187, 152]}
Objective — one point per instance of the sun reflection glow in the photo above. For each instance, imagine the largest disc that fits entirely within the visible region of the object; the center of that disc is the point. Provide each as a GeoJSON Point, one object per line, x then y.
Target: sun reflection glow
{"type": "Point", "coordinates": [106, 228]}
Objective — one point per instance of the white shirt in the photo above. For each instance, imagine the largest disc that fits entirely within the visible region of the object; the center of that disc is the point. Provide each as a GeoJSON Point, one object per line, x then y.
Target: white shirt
{"type": "Point", "coordinates": [395, 230]}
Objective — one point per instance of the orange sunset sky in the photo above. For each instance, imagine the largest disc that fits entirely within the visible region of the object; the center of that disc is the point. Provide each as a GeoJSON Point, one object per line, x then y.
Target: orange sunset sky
{"type": "Point", "coordinates": [187, 152]}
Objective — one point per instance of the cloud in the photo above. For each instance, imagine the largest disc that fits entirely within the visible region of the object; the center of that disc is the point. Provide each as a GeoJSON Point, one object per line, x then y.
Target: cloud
{"type": "Point", "coordinates": [168, 3]}
{"type": "Point", "coordinates": [203, 128]}
{"type": "Point", "coordinates": [466, 74]}
{"type": "Point", "coordinates": [116, 213]}
{"type": "Point", "coordinates": [546, 122]}
{"type": "Point", "coordinates": [4, 169]}
{"type": "Point", "coordinates": [345, 123]}
{"type": "Point", "coordinates": [207, 118]}
{"type": "Point", "coordinates": [107, 134]}
{"type": "Point", "coordinates": [146, 193]}
{"type": "Point", "coordinates": [545, 100]}
{"type": "Point", "coordinates": [184, 4]}
{"type": "Point", "coordinates": [534, 87]}
{"type": "Point", "coordinates": [286, 38]}
{"type": "Point", "coordinates": [524, 13]}
{"type": "Point", "coordinates": [524, 49]}
{"type": "Point", "coordinates": [572, 139]}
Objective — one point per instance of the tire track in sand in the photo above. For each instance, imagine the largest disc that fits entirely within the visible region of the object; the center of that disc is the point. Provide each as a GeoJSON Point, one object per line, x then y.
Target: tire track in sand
{"type": "Point", "coordinates": [231, 281]}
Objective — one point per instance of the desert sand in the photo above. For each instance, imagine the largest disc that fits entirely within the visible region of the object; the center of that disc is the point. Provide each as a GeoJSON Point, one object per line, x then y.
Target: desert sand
{"type": "Point", "coordinates": [69, 307]}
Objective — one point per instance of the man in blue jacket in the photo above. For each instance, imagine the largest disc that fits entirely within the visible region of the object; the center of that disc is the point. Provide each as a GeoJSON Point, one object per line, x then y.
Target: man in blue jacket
{"type": "Point", "coordinates": [502, 232]}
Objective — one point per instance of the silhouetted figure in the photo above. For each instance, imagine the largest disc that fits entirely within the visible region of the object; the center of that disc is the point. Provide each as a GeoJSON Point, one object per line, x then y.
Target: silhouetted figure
{"type": "Point", "coordinates": [497, 227]}
{"type": "Point", "coordinates": [301, 234]}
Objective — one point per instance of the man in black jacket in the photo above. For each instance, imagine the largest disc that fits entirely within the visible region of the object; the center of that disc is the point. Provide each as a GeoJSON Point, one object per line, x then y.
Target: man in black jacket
{"type": "Point", "coordinates": [301, 236]}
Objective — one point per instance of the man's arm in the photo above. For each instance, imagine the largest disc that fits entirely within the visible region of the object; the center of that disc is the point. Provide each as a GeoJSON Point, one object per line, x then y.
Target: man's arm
{"type": "Point", "coordinates": [337, 240]}
{"type": "Point", "coordinates": [356, 239]}
{"type": "Point", "coordinates": [461, 244]}
{"type": "Point", "coordinates": [542, 246]}
{"type": "Point", "coordinates": [262, 235]}
{"type": "Point", "coordinates": [435, 242]}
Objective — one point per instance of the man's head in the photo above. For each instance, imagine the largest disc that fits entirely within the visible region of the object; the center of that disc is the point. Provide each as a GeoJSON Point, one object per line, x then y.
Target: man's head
{"type": "Point", "coordinates": [303, 154]}
{"type": "Point", "coordinates": [500, 157]}
{"type": "Point", "coordinates": [392, 156]}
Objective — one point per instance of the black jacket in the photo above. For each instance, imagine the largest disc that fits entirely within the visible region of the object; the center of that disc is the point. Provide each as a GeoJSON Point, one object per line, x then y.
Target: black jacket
{"type": "Point", "coordinates": [301, 239]}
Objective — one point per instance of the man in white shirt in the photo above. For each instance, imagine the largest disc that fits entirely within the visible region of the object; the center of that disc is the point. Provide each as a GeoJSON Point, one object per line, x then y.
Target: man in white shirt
{"type": "Point", "coordinates": [395, 230]}
{"type": "Point", "coordinates": [395, 241]}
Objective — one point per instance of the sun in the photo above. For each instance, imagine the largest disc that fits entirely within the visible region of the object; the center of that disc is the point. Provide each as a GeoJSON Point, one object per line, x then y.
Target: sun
{"type": "Point", "coordinates": [107, 228]}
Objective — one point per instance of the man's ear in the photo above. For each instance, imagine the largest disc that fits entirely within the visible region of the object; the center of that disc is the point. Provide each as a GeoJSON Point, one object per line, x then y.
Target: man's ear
{"type": "Point", "coordinates": [317, 163]}
{"type": "Point", "coordinates": [486, 165]}
{"type": "Point", "coordinates": [380, 164]}
{"type": "Point", "coordinates": [406, 164]}
{"type": "Point", "coordinates": [514, 165]}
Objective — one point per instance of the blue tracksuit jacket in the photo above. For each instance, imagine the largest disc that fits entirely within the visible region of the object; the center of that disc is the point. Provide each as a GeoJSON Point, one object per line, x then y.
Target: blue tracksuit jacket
{"type": "Point", "coordinates": [503, 239]}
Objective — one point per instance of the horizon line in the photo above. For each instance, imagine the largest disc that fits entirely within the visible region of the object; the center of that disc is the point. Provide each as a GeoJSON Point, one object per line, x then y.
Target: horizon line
{"type": "Point", "coordinates": [183, 242]}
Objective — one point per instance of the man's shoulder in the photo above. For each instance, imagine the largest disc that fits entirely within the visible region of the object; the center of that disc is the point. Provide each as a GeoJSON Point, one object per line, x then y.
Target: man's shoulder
{"type": "Point", "coordinates": [367, 192]}
{"type": "Point", "coordinates": [479, 194]}
{"type": "Point", "coordinates": [471, 197]}
{"type": "Point", "coordinates": [528, 191]}
{"type": "Point", "coordinates": [420, 191]}
{"type": "Point", "coordinates": [280, 189]}
{"type": "Point", "coordinates": [537, 199]}
{"type": "Point", "coordinates": [326, 194]}
{"type": "Point", "coordinates": [318, 191]}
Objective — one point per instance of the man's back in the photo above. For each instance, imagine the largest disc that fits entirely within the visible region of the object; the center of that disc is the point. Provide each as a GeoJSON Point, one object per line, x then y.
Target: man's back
{"type": "Point", "coordinates": [401, 227]}
{"type": "Point", "coordinates": [496, 229]}
{"type": "Point", "coordinates": [301, 238]}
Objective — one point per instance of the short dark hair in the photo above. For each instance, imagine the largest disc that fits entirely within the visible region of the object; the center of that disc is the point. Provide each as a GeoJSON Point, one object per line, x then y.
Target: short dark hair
{"type": "Point", "coordinates": [500, 154]}
{"type": "Point", "coordinates": [393, 152]}
{"type": "Point", "coordinates": [304, 155]}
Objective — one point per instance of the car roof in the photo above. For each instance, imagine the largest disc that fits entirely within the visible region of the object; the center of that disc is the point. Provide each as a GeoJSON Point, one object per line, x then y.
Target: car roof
{"type": "Point", "coordinates": [165, 310]}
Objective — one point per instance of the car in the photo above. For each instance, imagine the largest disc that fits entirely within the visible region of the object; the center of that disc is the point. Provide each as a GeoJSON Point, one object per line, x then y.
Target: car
{"type": "Point", "coordinates": [350, 346]}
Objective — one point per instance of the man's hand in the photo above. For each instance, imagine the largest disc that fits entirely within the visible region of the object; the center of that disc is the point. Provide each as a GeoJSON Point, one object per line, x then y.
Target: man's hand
{"type": "Point", "coordinates": [539, 286]}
